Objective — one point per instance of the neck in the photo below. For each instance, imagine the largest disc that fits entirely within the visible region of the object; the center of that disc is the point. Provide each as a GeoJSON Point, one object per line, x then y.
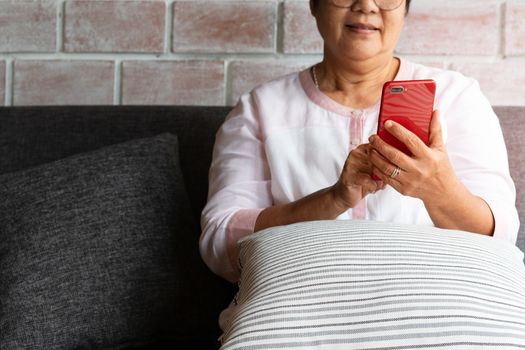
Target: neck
{"type": "Point", "coordinates": [356, 84]}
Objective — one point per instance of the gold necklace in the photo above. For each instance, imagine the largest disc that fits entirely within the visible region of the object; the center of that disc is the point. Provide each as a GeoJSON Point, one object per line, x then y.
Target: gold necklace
{"type": "Point", "coordinates": [316, 82]}
{"type": "Point", "coordinates": [315, 76]}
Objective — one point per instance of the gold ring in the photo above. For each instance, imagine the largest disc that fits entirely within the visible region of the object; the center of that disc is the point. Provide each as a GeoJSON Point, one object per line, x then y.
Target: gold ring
{"type": "Point", "coordinates": [395, 172]}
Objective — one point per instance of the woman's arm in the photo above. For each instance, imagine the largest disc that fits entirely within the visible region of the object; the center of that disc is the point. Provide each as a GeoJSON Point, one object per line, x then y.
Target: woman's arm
{"type": "Point", "coordinates": [353, 185]}
{"type": "Point", "coordinates": [239, 188]}
{"type": "Point", "coordinates": [240, 201]}
{"type": "Point", "coordinates": [430, 176]}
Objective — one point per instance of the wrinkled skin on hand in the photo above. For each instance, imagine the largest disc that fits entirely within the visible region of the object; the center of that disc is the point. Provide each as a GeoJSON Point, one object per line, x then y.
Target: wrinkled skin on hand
{"type": "Point", "coordinates": [427, 174]}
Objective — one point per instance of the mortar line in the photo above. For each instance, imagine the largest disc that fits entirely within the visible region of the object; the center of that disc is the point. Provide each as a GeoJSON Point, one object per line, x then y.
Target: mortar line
{"type": "Point", "coordinates": [502, 35]}
{"type": "Point", "coordinates": [228, 83]}
{"type": "Point", "coordinates": [60, 25]}
{"type": "Point", "coordinates": [117, 87]}
{"type": "Point", "coordinates": [279, 30]}
{"type": "Point", "coordinates": [9, 84]}
{"type": "Point", "coordinates": [168, 27]}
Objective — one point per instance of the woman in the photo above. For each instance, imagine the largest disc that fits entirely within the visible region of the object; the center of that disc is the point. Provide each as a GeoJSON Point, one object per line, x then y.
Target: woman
{"type": "Point", "coordinates": [302, 147]}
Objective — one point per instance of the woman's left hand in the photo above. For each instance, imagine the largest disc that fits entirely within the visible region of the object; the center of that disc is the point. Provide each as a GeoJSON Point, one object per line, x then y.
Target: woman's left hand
{"type": "Point", "coordinates": [427, 174]}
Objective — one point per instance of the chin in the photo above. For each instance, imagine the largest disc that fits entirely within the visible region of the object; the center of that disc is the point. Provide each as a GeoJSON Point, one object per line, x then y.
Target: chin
{"type": "Point", "coordinates": [362, 54]}
{"type": "Point", "coordinates": [345, 49]}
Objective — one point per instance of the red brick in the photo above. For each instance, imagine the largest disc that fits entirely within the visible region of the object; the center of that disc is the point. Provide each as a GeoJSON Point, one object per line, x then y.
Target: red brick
{"type": "Point", "coordinates": [224, 26]}
{"type": "Point", "coordinates": [246, 75]}
{"type": "Point", "coordinates": [63, 83]}
{"type": "Point", "coordinates": [28, 26]}
{"type": "Point", "coordinates": [515, 28]}
{"type": "Point", "coordinates": [503, 82]}
{"type": "Point", "coordinates": [451, 28]}
{"type": "Point", "coordinates": [300, 34]}
{"type": "Point", "coordinates": [2, 83]}
{"type": "Point", "coordinates": [114, 26]}
{"type": "Point", "coordinates": [173, 82]}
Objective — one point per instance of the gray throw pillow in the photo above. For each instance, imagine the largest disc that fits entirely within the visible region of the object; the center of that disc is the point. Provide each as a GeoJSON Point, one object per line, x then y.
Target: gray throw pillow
{"type": "Point", "coordinates": [88, 248]}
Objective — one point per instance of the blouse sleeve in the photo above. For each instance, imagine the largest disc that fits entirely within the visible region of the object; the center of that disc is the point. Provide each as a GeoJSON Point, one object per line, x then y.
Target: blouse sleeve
{"type": "Point", "coordinates": [239, 188]}
{"type": "Point", "coordinates": [477, 151]}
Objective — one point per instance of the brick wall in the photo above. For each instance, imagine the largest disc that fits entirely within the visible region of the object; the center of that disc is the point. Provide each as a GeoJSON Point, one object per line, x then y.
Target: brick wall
{"type": "Point", "coordinates": [207, 52]}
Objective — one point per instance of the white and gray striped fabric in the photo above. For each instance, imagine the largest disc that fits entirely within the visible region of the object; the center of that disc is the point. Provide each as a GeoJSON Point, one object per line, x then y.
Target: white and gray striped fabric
{"type": "Point", "coordinates": [369, 285]}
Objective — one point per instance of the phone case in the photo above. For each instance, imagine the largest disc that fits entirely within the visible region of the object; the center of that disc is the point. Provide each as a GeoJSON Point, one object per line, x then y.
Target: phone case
{"type": "Point", "coordinates": [409, 103]}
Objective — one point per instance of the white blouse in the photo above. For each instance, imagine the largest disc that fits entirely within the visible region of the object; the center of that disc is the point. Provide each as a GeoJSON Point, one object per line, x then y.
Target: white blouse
{"type": "Point", "coordinates": [285, 140]}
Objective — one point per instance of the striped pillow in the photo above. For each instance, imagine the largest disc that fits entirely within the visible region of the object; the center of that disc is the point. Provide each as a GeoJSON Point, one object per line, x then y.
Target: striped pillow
{"type": "Point", "coordinates": [369, 285]}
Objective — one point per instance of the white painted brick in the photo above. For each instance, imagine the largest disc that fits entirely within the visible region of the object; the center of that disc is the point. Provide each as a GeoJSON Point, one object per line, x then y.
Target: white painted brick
{"type": "Point", "coordinates": [462, 27]}
{"type": "Point", "coordinates": [503, 83]}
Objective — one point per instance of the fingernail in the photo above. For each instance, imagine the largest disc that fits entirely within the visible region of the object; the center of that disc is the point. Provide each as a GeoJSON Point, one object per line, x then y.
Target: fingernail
{"type": "Point", "coordinates": [388, 124]}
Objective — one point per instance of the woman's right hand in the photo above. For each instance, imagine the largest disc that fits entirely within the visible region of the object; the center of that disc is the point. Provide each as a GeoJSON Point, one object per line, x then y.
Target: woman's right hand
{"type": "Point", "coordinates": [355, 182]}
{"type": "Point", "coordinates": [328, 203]}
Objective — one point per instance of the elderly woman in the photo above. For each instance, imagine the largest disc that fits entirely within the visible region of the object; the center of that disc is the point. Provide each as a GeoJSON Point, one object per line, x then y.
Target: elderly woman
{"type": "Point", "coordinates": [302, 147]}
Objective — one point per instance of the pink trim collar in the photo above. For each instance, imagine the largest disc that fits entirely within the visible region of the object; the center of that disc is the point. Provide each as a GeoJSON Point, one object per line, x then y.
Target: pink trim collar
{"type": "Point", "coordinates": [325, 102]}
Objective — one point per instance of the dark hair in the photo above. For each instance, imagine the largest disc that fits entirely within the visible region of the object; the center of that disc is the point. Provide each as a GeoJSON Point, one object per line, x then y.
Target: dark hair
{"type": "Point", "coordinates": [316, 2]}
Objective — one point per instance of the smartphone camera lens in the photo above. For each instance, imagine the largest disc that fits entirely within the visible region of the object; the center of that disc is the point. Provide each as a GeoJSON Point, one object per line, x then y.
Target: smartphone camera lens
{"type": "Point", "coordinates": [398, 89]}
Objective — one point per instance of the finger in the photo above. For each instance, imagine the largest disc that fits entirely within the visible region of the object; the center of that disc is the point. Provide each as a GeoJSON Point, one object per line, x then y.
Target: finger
{"type": "Point", "coordinates": [380, 185]}
{"type": "Point", "coordinates": [382, 165]}
{"type": "Point", "coordinates": [388, 180]}
{"type": "Point", "coordinates": [413, 143]}
{"type": "Point", "coordinates": [367, 184]}
{"type": "Point", "coordinates": [388, 153]}
{"type": "Point", "coordinates": [358, 161]}
{"type": "Point", "coordinates": [358, 165]}
{"type": "Point", "coordinates": [360, 153]}
{"type": "Point", "coordinates": [436, 134]}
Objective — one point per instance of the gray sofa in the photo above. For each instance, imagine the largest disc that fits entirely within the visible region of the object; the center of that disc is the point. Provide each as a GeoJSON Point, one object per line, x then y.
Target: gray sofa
{"type": "Point", "coordinates": [99, 225]}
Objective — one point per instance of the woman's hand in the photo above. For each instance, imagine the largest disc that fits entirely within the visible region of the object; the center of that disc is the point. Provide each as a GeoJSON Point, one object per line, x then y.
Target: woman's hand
{"type": "Point", "coordinates": [355, 182]}
{"type": "Point", "coordinates": [427, 174]}
{"type": "Point", "coordinates": [328, 203]}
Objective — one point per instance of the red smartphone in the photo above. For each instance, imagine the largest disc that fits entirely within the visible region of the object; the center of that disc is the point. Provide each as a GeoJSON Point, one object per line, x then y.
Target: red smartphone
{"type": "Point", "coordinates": [409, 103]}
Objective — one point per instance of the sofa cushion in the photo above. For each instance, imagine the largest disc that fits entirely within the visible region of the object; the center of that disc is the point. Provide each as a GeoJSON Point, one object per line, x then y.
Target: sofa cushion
{"type": "Point", "coordinates": [371, 285]}
{"type": "Point", "coordinates": [34, 135]}
{"type": "Point", "coordinates": [92, 249]}
{"type": "Point", "coordinates": [511, 119]}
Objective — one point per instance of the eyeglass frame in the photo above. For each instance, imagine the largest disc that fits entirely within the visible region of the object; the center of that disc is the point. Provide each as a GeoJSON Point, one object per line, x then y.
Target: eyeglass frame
{"type": "Point", "coordinates": [375, 2]}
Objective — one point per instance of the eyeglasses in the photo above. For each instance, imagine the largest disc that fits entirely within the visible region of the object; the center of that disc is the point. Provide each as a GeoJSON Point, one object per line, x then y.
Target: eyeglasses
{"type": "Point", "coordinates": [385, 5]}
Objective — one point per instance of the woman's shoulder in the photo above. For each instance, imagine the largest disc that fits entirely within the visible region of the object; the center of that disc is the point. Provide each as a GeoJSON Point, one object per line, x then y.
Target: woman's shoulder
{"type": "Point", "coordinates": [283, 87]}
{"type": "Point", "coordinates": [452, 87]}
{"type": "Point", "coordinates": [278, 85]}
{"type": "Point", "coordinates": [277, 94]}
{"type": "Point", "coordinates": [446, 79]}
